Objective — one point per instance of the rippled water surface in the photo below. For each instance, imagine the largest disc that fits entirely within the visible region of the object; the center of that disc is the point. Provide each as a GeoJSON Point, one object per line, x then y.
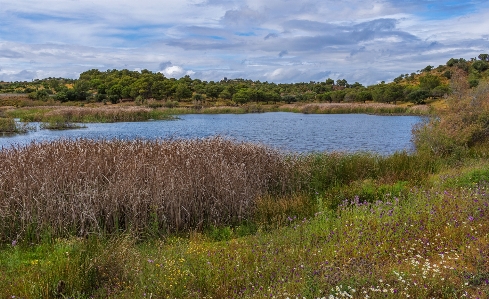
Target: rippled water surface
{"type": "Point", "coordinates": [286, 131]}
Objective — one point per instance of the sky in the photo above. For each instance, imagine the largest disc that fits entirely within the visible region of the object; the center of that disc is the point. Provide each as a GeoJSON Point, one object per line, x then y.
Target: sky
{"type": "Point", "coordinates": [281, 41]}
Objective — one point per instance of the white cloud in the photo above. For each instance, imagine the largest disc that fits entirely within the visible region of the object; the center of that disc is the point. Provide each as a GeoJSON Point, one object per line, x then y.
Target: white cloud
{"type": "Point", "coordinates": [176, 71]}
{"type": "Point", "coordinates": [280, 40]}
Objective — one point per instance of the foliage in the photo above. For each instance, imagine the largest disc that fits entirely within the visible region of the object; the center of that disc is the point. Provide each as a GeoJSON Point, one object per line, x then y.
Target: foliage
{"type": "Point", "coordinates": [463, 125]}
{"type": "Point", "coordinates": [10, 126]}
{"type": "Point", "coordinates": [116, 86]}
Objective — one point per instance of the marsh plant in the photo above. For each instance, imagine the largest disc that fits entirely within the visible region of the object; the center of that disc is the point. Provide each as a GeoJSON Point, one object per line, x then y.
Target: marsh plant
{"type": "Point", "coordinates": [74, 114]}
{"type": "Point", "coordinates": [75, 187]}
{"type": "Point", "coordinates": [10, 126]}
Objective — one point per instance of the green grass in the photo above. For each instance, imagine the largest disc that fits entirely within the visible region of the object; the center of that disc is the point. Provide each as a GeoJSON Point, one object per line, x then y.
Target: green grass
{"type": "Point", "coordinates": [10, 126]}
{"type": "Point", "coordinates": [425, 244]}
{"type": "Point", "coordinates": [70, 114]}
{"type": "Point", "coordinates": [28, 114]}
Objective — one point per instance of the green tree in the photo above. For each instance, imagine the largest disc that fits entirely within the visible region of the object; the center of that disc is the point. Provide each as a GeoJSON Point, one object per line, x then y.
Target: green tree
{"type": "Point", "coordinates": [182, 91]}
{"type": "Point", "coordinates": [418, 96]}
{"type": "Point", "coordinates": [241, 97]}
{"type": "Point", "coordinates": [225, 94]}
{"type": "Point", "coordinates": [452, 62]}
{"type": "Point", "coordinates": [429, 81]}
{"type": "Point", "coordinates": [427, 69]}
{"type": "Point", "coordinates": [364, 96]}
{"type": "Point", "coordinates": [342, 82]}
{"type": "Point", "coordinates": [440, 91]}
{"type": "Point", "coordinates": [115, 93]}
{"type": "Point", "coordinates": [213, 90]}
{"type": "Point", "coordinates": [480, 65]}
{"type": "Point", "coordinates": [484, 57]}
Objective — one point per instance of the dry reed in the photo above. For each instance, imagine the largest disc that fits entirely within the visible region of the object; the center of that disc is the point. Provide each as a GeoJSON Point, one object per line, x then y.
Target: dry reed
{"type": "Point", "coordinates": [83, 186]}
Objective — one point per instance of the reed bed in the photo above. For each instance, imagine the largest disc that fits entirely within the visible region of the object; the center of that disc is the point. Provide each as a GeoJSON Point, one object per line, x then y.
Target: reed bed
{"type": "Point", "coordinates": [10, 126]}
{"type": "Point", "coordinates": [7, 125]}
{"type": "Point", "coordinates": [117, 114]}
{"type": "Point", "coordinates": [88, 114]}
{"type": "Point", "coordinates": [344, 108]}
{"type": "Point", "coordinates": [77, 187]}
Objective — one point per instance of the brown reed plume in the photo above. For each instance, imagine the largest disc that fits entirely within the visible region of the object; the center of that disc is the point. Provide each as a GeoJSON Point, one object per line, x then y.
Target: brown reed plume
{"type": "Point", "coordinates": [83, 186]}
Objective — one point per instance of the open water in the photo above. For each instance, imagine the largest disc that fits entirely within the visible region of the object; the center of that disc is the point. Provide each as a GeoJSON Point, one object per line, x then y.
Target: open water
{"type": "Point", "coordinates": [291, 132]}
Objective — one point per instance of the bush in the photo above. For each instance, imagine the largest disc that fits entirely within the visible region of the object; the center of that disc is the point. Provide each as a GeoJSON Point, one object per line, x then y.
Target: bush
{"type": "Point", "coordinates": [7, 125]}
{"type": "Point", "coordinates": [464, 124]}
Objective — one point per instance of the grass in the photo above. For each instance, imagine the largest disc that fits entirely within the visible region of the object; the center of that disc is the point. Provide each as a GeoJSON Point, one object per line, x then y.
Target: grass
{"type": "Point", "coordinates": [9, 126]}
{"type": "Point", "coordinates": [344, 108]}
{"type": "Point", "coordinates": [145, 187]}
{"type": "Point", "coordinates": [129, 112]}
{"type": "Point", "coordinates": [213, 218]}
{"type": "Point", "coordinates": [424, 245]}
{"type": "Point", "coordinates": [87, 114]}
{"type": "Point", "coordinates": [151, 188]}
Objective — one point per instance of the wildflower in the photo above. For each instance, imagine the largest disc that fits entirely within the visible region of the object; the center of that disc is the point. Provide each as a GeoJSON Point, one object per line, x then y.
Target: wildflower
{"type": "Point", "coordinates": [14, 242]}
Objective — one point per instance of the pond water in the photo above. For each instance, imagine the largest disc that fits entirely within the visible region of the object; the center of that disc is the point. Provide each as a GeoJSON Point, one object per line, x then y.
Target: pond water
{"type": "Point", "coordinates": [292, 132]}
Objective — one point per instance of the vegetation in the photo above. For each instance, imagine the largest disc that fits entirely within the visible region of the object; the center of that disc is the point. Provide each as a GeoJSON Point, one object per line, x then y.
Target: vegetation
{"type": "Point", "coordinates": [10, 126]}
{"type": "Point", "coordinates": [215, 218]}
{"type": "Point", "coordinates": [87, 115]}
{"type": "Point", "coordinates": [114, 86]}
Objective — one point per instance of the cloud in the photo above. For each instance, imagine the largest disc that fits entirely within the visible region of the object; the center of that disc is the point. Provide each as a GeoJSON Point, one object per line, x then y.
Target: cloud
{"type": "Point", "coordinates": [283, 53]}
{"type": "Point", "coordinates": [176, 72]}
{"type": "Point", "coordinates": [270, 35]}
{"type": "Point", "coordinates": [6, 53]}
{"type": "Point", "coordinates": [165, 65]}
{"type": "Point", "coordinates": [243, 17]}
{"type": "Point", "coordinates": [360, 40]}
{"type": "Point", "coordinates": [24, 75]}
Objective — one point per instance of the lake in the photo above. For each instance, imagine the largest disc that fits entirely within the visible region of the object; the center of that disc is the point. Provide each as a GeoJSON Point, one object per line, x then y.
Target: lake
{"type": "Point", "coordinates": [292, 132]}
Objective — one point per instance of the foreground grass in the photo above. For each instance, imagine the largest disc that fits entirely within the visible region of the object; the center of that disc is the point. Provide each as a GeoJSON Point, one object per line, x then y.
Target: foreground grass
{"type": "Point", "coordinates": [426, 245]}
{"type": "Point", "coordinates": [149, 188]}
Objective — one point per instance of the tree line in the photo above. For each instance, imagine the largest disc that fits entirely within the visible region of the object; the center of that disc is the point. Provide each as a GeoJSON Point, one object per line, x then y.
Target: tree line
{"type": "Point", "coordinates": [117, 85]}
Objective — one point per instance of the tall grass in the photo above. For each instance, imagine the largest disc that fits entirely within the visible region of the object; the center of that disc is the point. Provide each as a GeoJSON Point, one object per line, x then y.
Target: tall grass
{"type": "Point", "coordinates": [76, 187]}
{"type": "Point", "coordinates": [323, 171]}
{"type": "Point", "coordinates": [10, 126]}
{"type": "Point", "coordinates": [463, 125]}
{"type": "Point", "coordinates": [344, 108]}
{"type": "Point", "coordinates": [7, 125]}
{"type": "Point", "coordinates": [88, 115]}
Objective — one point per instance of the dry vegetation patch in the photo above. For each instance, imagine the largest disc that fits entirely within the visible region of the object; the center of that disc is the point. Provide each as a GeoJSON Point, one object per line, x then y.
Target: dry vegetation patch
{"type": "Point", "coordinates": [77, 187]}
